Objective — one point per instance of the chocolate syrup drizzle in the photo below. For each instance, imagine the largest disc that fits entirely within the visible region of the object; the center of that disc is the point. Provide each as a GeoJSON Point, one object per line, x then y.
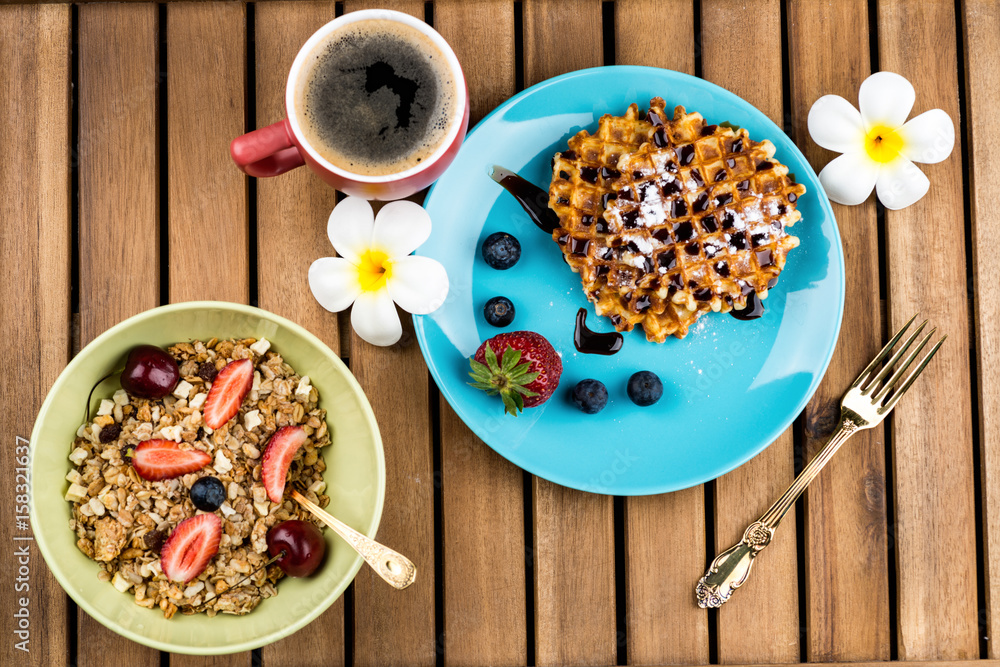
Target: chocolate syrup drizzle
{"type": "Point", "coordinates": [533, 199]}
{"type": "Point", "coordinates": [591, 342]}
{"type": "Point", "coordinates": [753, 309]}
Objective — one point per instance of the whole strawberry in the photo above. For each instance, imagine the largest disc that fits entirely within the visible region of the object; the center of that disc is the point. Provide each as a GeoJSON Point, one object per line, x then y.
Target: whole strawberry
{"type": "Point", "coordinates": [520, 366]}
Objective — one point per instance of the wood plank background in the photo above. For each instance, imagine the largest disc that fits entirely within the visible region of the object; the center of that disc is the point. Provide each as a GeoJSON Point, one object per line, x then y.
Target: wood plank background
{"type": "Point", "coordinates": [846, 523]}
{"type": "Point", "coordinates": [117, 118]}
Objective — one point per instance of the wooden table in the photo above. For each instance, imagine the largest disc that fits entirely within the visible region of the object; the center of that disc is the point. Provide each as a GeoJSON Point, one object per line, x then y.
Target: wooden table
{"type": "Point", "coordinates": [117, 195]}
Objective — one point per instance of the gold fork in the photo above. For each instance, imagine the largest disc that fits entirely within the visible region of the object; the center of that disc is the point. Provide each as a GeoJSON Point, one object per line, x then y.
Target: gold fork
{"type": "Point", "coordinates": [865, 405]}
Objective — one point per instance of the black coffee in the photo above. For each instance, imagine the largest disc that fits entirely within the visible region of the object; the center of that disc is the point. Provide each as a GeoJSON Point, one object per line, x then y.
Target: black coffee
{"type": "Point", "coordinates": [378, 98]}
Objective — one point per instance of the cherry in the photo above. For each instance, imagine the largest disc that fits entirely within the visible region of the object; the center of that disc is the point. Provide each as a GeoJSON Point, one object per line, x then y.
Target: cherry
{"type": "Point", "coordinates": [302, 543]}
{"type": "Point", "coordinates": [149, 372]}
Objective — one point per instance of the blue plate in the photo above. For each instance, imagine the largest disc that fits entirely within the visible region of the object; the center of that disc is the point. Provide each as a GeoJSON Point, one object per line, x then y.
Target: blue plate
{"type": "Point", "coordinates": [730, 387]}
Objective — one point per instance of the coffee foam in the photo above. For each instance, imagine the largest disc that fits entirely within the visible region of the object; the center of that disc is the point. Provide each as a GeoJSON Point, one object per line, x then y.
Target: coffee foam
{"type": "Point", "coordinates": [343, 136]}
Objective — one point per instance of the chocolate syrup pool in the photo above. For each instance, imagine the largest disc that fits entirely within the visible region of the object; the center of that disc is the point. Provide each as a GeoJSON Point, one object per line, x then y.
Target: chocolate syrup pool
{"type": "Point", "coordinates": [591, 342]}
{"type": "Point", "coordinates": [533, 199]}
{"type": "Point", "coordinates": [754, 307]}
{"type": "Point", "coordinates": [753, 310]}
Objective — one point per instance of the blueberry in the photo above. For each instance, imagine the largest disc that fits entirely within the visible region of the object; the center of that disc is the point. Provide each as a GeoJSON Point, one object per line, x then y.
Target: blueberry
{"type": "Point", "coordinates": [645, 388]}
{"type": "Point", "coordinates": [590, 396]}
{"type": "Point", "coordinates": [499, 311]}
{"type": "Point", "coordinates": [501, 250]}
{"type": "Point", "coordinates": [208, 494]}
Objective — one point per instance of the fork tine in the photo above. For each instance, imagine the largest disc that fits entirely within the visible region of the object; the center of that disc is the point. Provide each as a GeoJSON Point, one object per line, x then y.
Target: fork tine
{"type": "Point", "coordinates": [882, 354]}
{"type": "Point", "coordinates": [898, 375]}
{"type": "Point", "coordinates": [897, 355]}
{"type": "Point", "coordinates": [913, 376]}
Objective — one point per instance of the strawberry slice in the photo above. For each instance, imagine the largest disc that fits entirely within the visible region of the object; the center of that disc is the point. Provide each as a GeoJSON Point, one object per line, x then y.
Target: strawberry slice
{"type": "Point", "coordinates": [229, 388]}
{"type": "Point", "coordinates": [164, 459]}
{"type": "Point", "coordinates": [189, 548]}
{"type": "Point", "coordinates": [278, 457]}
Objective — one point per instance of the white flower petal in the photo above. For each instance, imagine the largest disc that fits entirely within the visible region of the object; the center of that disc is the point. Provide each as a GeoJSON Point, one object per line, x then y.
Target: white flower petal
{"type": "Point", "coordinates": [849, 179]}
{"type": "Point", "coordinates": [901, 183]}
{"type": "Point", "coordinates": [418, 284]}
{"type": "Point", "coordinates": [350, 228]}
{"type": "Point", "coordinates": [885, 98]}
{"type": "Point", "coordinates": [929, 137]}
{"type": "Point", "coordinates": [400, 228]}
{"type": "Point", "coordinates": [836, 125]}
{"type": "Point", "coordinates": [374, 318]}
{"type": "Point", "coordinates": [334, 283]}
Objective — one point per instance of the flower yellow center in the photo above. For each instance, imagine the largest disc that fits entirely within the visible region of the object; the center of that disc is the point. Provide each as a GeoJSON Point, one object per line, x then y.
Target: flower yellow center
{"type": "Point", "coordinates": [883, 144]}
{"type": "Point", "coordinates": [374, 270]}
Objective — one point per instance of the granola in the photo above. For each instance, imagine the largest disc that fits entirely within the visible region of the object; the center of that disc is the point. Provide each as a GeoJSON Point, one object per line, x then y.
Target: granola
{"type": "Point", "coordinates": [122, 520]}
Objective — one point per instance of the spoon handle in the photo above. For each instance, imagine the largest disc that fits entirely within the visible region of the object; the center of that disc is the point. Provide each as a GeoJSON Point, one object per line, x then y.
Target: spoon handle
{"type": "Point", "coordinates": [398, 570]}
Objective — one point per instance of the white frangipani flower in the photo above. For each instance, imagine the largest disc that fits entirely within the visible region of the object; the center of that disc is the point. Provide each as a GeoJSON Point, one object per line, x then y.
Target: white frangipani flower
{"type": "Point", "coordinates": [878, 146]}
{"type": "Point", "coordinates": [375, 268]}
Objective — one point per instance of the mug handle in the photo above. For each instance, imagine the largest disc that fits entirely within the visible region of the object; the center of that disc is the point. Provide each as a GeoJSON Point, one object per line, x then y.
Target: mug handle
{"type": "Point", "coordinates": [268, 151]}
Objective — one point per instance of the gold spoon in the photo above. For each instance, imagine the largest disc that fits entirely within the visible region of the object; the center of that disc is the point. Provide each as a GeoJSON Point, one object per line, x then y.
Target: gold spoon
{"type": "Point", "coordinates": [392, 566]}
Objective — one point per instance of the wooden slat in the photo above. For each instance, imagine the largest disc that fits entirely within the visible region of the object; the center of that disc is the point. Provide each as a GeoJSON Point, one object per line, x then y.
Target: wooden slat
{"type": "Point", "coordinates": [636, 43]}
{"type": "Point", "coordinates": [393, 628]}
{"type": "Point", "coordinates": [485, 614]}
{"type": "Point", "coordinates": [981, 23]}
{"type": "Point", "coordinates": [932, 426]}
{"type": "Point", "coordinates": [771, 607]}
{"type": "Point", "coordinates": [412, 7]}
{"type": "Point", "coordinates": [560, 36]}
{"type": "Point", "coordinates": [118, 153]}
{"type": "Point", "coordinates": [292, 209]}
{"type": "Point", "coordinates": [291, 232]}
{"type": "Point", "coordinates": [34, 300]}
{"type": "Point", "coordinates": [574, 563]}
{"type": "Point", "coordinates": [573, 555]}
{"type": "Point", "coordinates": [845, 506]}
{"type": "Point", "coordinates": [481, 32]}
{"type": "Point", "coordinates": [663, 622]}
{"type": "Point", "coordinates": [119, 262]}
{"type": "Point", "coordinates": [482, 497]}
{"type": "Point", "coordinates": [205, 190]}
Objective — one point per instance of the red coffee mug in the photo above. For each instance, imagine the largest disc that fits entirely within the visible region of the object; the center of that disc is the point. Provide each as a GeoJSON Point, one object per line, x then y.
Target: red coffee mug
{"type": "Point", "coordinates": [281, 147]}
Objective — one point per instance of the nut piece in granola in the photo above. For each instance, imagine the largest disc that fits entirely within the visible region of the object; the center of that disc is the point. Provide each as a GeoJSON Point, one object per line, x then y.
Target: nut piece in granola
{"type": "Point", "coordinates": [109, 538]}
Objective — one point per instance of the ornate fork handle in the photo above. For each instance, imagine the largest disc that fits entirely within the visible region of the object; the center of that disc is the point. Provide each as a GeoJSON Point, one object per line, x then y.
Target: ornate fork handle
{"type": "Point", "coordinates": [731, 568]}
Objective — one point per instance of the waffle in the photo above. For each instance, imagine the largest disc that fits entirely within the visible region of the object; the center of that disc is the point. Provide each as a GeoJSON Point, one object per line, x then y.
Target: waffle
{"type": "Point", "coordinates": [583, 177]}
{"type": "Point", "coordinates": [696, 222]}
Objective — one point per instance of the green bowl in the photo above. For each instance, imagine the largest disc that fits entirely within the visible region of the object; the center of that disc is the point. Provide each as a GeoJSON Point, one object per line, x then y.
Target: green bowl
{"type": "Point", "coordinates": [355, 478]}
